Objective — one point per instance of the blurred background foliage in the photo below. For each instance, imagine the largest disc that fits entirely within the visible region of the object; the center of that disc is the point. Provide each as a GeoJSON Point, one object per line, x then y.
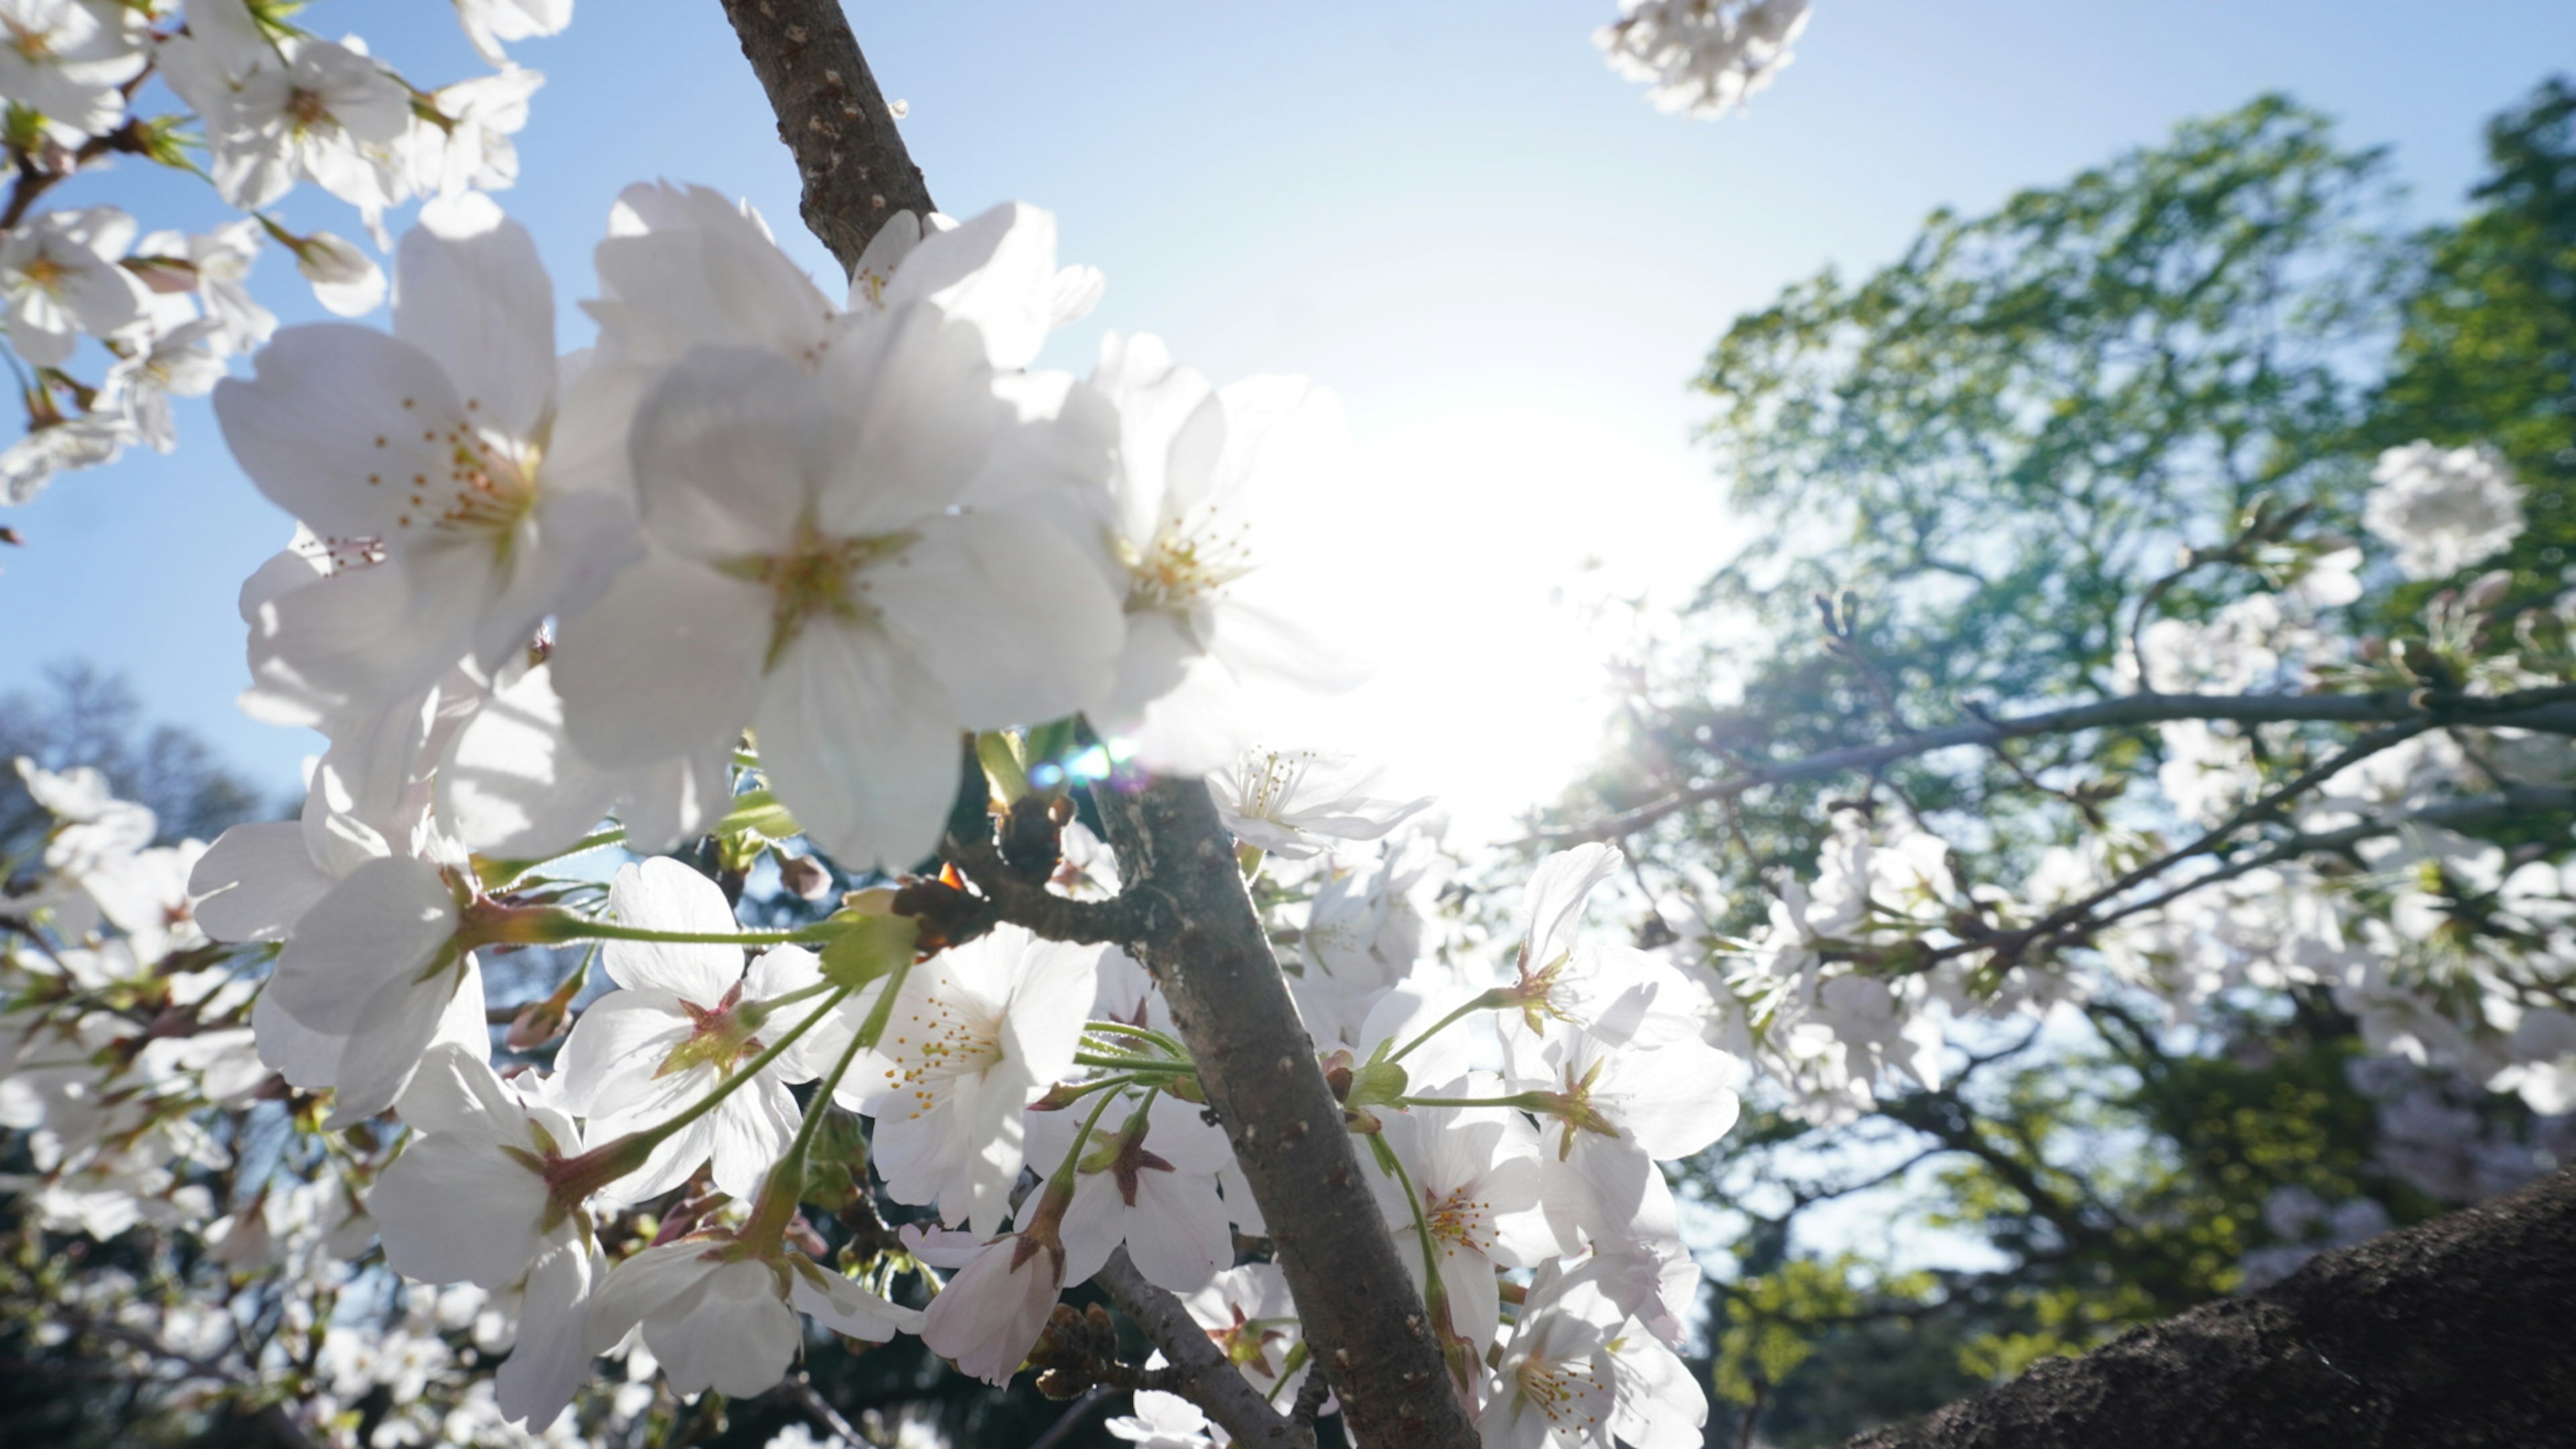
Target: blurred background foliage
{"type": "Point", "coordinates": [1957, 476]}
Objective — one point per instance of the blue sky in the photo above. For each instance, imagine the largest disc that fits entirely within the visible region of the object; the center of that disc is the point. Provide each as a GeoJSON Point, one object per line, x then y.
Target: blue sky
{"type": "Point", "coordinates": [1504, 260]}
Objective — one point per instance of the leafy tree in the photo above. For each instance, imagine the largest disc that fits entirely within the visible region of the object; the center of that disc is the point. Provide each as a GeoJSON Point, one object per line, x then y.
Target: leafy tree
{"type": "Point", "coordinates": [83, 717]}
{"type": "Point", "coordinates": [1968, 478]}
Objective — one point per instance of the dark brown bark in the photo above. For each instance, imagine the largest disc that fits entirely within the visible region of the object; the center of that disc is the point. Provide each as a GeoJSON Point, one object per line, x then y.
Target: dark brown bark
{"type": "Point", "coordinates": [1362, 1317]}
{"type": "Point", "coordinates": [1363, 1320]}
{"type": "Point", "coordinates": [833, 117]}
{"type": "Point", "coordinates": [2449, 1335]}
{"type": "Point", "coordinates": [1202, 1373]}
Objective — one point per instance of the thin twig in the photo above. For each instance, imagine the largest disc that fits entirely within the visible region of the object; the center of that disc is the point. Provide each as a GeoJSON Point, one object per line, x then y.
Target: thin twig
{"type": "Point", "coordinates": [2540, 710]}
{"type": "Point", "coordinates": [1065, 1422]}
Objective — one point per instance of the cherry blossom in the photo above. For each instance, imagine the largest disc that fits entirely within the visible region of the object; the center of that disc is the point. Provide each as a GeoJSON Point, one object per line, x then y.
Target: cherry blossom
{"type": "Point", "coordinates": [974, 1035]}
{"type": "Point", "coordinates": [2443, 508]}
{"type": "Point", "coordinates": [1293, 803]}
{"type": "Point", "coordinates": [1210, 610]}
{"type": "Point", "coordinates": [430, 443]}
{"type": "Point", "coordinates": [814, 575]}
{"type": "Point", "coordinates": [685, 1017]}
{"type": "Point", "coordinates": [59, 279]}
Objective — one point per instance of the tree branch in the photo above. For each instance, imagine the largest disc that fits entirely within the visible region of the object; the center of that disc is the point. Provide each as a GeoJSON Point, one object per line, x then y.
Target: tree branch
{"type": "Point", "coordinates": [2444, 1336]}
{"type": "Point", "coordinates": [1202, 1373]}
{"type": "Point", "coordinates": [1362, 1317]}
{"type": "Point", "coordinates": [2550, 710]}
{"type": "Point", "coordinates": [833, 117]}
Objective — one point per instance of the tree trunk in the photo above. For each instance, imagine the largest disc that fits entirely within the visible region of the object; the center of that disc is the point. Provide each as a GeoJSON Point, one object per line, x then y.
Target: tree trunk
{"type": "Point", "coordinates": [1363, 1321]}
{"type": "Point", "coordinates": [2450, 1335]}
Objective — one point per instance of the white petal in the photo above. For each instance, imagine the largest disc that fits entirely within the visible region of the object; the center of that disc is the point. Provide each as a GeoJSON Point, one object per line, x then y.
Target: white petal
{"type": "Point", "coordinates": [386, 920]}
{"type": "Point", "coordinates": [727, 452]}
{"type": "Point", "coordinates": [666, 663]}
{"type": "Point", "coordinates": [1007, 612]}
{"type": "Point", "coordinates": [663, 895]}
{"type": "Point", "coordinates": [514, 788]}
{"type": "Point", "coordinates": [607, 1063]}
{"type": "Point", "coordinates": [398, 1025]}
{"type": "Point", "coordinates": [456, 1211]}
{"type": "Point", "coordinates": [341, 425]}
{"type": "Point", "coordinates": [255, 882]}
{"type": "Point", "coordinates": [913, 416]}
{"type": "Point", "coordinates": [752, 1130]}
{"type": "Point", "coordinates": [551, 1358]}
{"type": "Point", "coordinates": [470, 292]}
{"type": "Point", "coordinates": [862, 745]}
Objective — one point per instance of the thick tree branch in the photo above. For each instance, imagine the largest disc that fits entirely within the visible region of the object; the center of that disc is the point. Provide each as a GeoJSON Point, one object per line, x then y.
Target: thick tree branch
{"type": "Point", "coordinates": [1201, 1372]}
{"type": "Point", "coordinates": [2449, 1335]}
{"type": "Point", "coordinates": [2550, 711]}
{"type": "Point", "coordinates": [1362, 1317]}
{"type": "Point", "coordinates": [833, 117]}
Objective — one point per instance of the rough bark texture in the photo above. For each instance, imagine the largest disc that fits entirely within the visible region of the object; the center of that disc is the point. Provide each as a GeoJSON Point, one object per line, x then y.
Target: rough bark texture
{"type": "Point", "coordinates": [1363, 1320]}
{"type": "Point", "coordinates": [833, 117]}
{"type": "Point", "coordinates": [1207, 1378]}
{"type": "Point", "coordinates": [2449, 1335]}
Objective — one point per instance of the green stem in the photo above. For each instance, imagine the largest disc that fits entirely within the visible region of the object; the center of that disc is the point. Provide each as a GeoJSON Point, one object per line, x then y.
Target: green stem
{"type": "Point", "coordinates": [1435, 1294]}
{"type": "Point", "coordinates": [1151, 1066]}
{"type": "Point", "coordinates": [612, 931]}
{"type": "Point", "coordinates": [1522, 1100]}
{"type": "Point", "coordinates": [1138, 1033]}
{"type": "Point", "coordinates": [1492, 1000]}
{"type": "Point", "coordinates": [1060, 1181]}
{"type": "Point", "coordinates": [785, 1184]}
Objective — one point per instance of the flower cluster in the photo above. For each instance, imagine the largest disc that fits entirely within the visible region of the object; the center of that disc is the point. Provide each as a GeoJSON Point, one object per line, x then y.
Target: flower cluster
{"type": "Point", "coordinates": [2363, 882]}
{"type": "Point", "coordinates": [1703, 58]}
{"type": "Point", "coordinates": [269, 105]}
{"type": "Point", "coordinates": [762, 565]}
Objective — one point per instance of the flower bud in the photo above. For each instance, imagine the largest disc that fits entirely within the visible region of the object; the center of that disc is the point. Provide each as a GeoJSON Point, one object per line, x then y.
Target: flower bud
{"type": "Point", "coordinates": [537, 1023]}
{"type": "Point", "coordinates": [2488, 591]}
{"type": "Point", "coordinates": [806, 876]}
{"type": "Point", "coordinates": [344, 279]}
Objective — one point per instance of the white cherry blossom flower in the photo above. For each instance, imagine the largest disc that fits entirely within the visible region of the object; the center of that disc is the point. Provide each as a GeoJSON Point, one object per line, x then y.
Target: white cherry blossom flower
{"type": "Point", "coordinates": [469, 1201]}
{"type": "Point", "coordinates": [1554, 1387]}
{"type": "Point", "coordinates": [431, 444]}
{"type": "Point", "coordinates": [2443, 509]}
{"type": "Point", "coordinates": [685, 1017]}
{"type": "Point", "coordinates": [182, 362]}
{"type": "Point", "coordinates": [68, 60]}
{"type": "Point", "coordinates": [373, 963]}
{"type": "Point", "coordinates": [1148, 1180]}
{"type": "Point", "coordinates": [215, 266]}
{"type": "Point", "coordinates": [1212, 608]}
{"type": "Point", "coordinates": [1475, 1173]}
{"type": "Point", "coordinates": [1614, 992]}
{"type": "Point", "coordinates": [490, 22]}
{"type": "Point", "coordinates": [1163, 1421]}
{"type": "Point", "coordinates": [1295, 803]}
{"type": "Point", "coordinates": [1703, 57]}
{"type": "Point", "coordinates": [470, 148]}
{"type": "Point", "coordinates": [975, 1035]}
{"type": "Point", "coordinates": [717, 1317]}
{"type": "Point", "coordinates": [990, 1314]}
{"type": "Point", "coordinates": [283, 109]}
{"type": "Point", "coordinates": [52, 445]}
{"type": "Point", "coordinates": [820, 572]}
{"type": "Point", "coordinates": [514, 788]}
{"type": "Point", "coordinates": [59, 278]}
{"type": "Point", "coordinates": [1250, 1316]}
